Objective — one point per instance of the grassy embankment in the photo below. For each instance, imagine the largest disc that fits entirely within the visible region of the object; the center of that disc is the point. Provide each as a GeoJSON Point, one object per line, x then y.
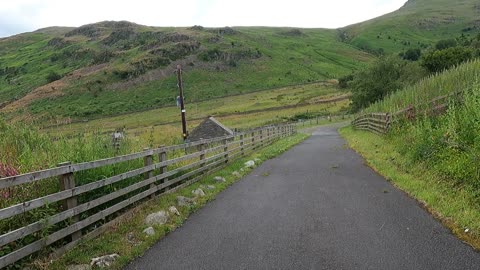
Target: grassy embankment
{"type": "Point", "coordinates": [116, 239]}
{"type": "Point", "coordinates": [435, 159]}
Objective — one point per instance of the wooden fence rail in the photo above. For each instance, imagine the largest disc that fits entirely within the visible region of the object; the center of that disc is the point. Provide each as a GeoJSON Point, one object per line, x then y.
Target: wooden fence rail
{"type": "Point", "coordinates": [381, 123]}
{"type": "Point", "coordinates": [162, 170]}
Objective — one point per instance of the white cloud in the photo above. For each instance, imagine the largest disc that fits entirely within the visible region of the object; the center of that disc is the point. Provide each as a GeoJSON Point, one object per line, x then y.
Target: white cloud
{"type": "Point", "coordinates": [28, 15]}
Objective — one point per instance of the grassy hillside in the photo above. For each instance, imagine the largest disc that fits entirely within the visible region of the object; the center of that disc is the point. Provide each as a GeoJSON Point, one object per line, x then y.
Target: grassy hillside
{"type": "Point", "coordinates": [112, 68]}
{"type": "Point", "coordinates": [460, 78]}
{"type": "Point", "coordinates": [119, 67]}
{"type": "Point", "coordinates": [418, 24]}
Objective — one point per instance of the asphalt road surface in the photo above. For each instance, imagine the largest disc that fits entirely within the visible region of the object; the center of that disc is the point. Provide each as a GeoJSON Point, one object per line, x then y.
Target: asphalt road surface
{"type": "Point", "coordinates": [316, 206]}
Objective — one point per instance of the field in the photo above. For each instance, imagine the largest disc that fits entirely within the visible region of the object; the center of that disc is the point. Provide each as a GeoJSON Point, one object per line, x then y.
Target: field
{"type": "Point", "coordinates": [240, 111]}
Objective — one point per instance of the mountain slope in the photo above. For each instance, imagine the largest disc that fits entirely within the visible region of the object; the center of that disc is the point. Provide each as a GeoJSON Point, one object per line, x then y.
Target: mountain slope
{"type": "Point", "coordinates": [109, 68]}
{"type": "Point", "coordinates": [418, 24]}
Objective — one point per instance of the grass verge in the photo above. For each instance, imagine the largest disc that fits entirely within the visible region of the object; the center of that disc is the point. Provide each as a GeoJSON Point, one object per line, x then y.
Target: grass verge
{"type": "Point", "coordinates": [449, 203]}
{"type": "Point", "coordinates": [127, 238]}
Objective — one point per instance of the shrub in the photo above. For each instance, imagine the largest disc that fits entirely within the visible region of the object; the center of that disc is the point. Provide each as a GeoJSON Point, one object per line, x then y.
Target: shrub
{"type": "Point", "coordinates": [445, 44]}
{"type": "Point", "coordinates": [411, 54]}
{"type": "Point", "coordinates": [345, 80]}
{"type": "Point", "coordinates": [384, 76]}
{"type": "Point", "coordinates": [53, 76]}
{"type": "Point", "coordinates": [437, 61]}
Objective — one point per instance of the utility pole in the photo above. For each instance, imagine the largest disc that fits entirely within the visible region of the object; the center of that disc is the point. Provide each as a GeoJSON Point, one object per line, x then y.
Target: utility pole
{"type": "Point", "coordinates": [182, 104]}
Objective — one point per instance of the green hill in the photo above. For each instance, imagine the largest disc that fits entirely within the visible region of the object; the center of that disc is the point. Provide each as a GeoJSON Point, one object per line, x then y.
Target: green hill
{"type": "Point", "coordinates": [109, 68]}
{"type": "Point", "coordinates": [112, 68]}
{"type": "Point", "coordinates": [418, 24]}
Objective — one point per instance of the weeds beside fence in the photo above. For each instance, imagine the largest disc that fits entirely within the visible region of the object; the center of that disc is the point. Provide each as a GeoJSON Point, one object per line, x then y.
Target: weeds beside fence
{"type": "Point", "coordinates": [381, 123]}
{"type": "Point", "coordinates": [80, 207]}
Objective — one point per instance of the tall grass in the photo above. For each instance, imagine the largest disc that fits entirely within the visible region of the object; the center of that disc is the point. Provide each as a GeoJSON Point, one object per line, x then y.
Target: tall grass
{"type": "Point", "coordinates": [449, 144]}
{"type": "Point", "coordinates": [456, 79]}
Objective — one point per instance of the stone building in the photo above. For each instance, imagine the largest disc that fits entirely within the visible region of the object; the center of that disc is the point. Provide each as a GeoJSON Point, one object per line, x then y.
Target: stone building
{"type": "Point", "coordinates": [210, 128]}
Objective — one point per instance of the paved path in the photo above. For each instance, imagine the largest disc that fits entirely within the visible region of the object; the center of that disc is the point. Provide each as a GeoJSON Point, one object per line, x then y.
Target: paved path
{"type": "Point", "coordinates": [316, 206]}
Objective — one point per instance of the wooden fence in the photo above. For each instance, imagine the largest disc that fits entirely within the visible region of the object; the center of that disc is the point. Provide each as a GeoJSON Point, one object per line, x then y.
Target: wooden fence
{"type": "Point", "coordinates": [80, 213]}
{"type": "Point", "coordinates": [381, 123]}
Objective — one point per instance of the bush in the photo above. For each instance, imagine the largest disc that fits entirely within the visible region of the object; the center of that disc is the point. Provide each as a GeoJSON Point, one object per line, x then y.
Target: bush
{"type": "Point", "coordinates": [344, 81]}
{"type": "Point", "coordinates": [386, 75]}
{"type": "Point", "coordinates": [53, 76]}
{"type": "Point", "coordinates": [411, 54]}
{"type": "Point", "coordinates": [445, 44]}
{"type": "Point", "coordinates": [437, 61]}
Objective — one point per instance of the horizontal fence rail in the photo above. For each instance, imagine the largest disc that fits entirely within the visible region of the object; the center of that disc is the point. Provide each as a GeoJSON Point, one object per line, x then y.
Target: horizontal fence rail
{"type": "Point", "coordinates": [82, 210]}
{"type": "Point", "coordinates": [381, 123]}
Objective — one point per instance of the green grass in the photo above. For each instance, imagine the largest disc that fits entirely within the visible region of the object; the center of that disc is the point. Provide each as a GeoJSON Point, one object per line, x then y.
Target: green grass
{"type": "Point", "coordinates": [240, 111]}
{"type": "Point", "coordinates": [419, 24]}
{"type": "Point", "coordinates": [115, 239]}
{"type": "Point", "coordinates": [284, 60]}
{"type": "Point", "coordinates": [455, 206]}
{"type": "Point", "coordinates": [460, 78]}
{"type": "Point", "coordinates": [434, 158]}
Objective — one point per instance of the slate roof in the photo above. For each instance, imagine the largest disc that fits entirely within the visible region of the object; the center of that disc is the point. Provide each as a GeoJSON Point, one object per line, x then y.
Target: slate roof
{"type": "Point", "coordinates": [210, 128]}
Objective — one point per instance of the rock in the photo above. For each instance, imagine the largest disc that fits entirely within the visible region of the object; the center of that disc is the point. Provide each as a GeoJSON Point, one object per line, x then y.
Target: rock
{"type": "Point", "coordinates": [173, 210]}
{"type": "Point", "coordinates": [467, 230]}
{"type": "Point", "coordinates": [242, 169]}
{"type": "Point", "coordinates": [184, 201]}
{"type": "Point", "coordinates": [250, 164]}
{"type": "Point", "coordinates": [104, 261]}
{"type": "Point", "coordinates": [257, 160]}
{"type": "Point", "coordinates": [79, 267]}
{"type": "Point", "coordinates": [210, 187]}
{"type": "Point", "coordinates": [236, 174]}
{"type": "Point", "coordinates": [158, 218]}
{"type": "Point", "coordinates": [198, 192]}
{"type": "Point", "coordinates": [219, 179]}
{"type": "Point", "coordinates": [149, 231]}
{"type": "Point", "coordinates": [131, 238]}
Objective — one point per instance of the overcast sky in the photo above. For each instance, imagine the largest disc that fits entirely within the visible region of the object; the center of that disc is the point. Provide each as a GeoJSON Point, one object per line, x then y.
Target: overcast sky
{"type": "Point", "coordinates": [18, 16]}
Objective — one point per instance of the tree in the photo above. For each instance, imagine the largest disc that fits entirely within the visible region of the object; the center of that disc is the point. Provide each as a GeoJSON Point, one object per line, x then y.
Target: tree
{"type": "Point", "coordinates": [437, 61]}
{"type": "Point", "coordinates": [384, 76]}
{"type": "Point", "coordinates": [344, 81]}
{"type": "Point", "coordinates": [411, 54]}
{"type": "Point", "coordinates": [445, 44]}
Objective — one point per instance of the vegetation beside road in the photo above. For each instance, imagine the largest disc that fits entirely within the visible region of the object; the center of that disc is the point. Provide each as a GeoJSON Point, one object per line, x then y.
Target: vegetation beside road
{"type": "Point", "coordinates": [117, 239]}
{"type": "Point", "coordinates": [456, 207]}
{"type": "Point", "coordinates": [435, 158]}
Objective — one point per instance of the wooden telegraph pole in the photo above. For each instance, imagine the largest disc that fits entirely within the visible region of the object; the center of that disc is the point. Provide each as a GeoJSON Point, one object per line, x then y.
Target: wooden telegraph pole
{"type": "Point", "coordinates": [182, 104]}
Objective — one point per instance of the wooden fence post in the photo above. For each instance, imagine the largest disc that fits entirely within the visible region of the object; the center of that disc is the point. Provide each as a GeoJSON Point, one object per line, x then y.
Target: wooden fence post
{"type": "Point", "coordinates": [162, 156]}
{"type": "Point", "coordinates": [225, 150]}
{"type": "Point", "coordinates": [387, 122]}
{"type": "Point", "coordinates": [261, 138]}
{"type": "Point", "coordinates": [253, 140]}
{"type": "Point", "coordinates": [147, 161]}
{"type": "Point", "coordinates": [67, 181]}
{"type": "Point", "coordinates": [241, 145]}
{"type": "Point", "coordinates": [201, 148]}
